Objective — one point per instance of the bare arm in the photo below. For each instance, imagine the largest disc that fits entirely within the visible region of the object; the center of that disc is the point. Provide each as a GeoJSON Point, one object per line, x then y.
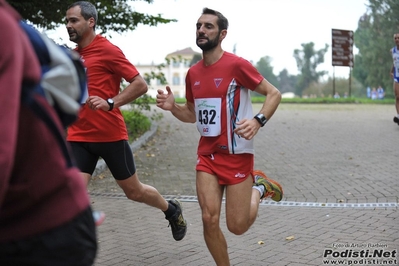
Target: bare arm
{"type": "Point", "coordinates": [134, 90]}
{"type": "Point", "coordinates": [393, 67]}
{"type": "Point", "coordinates": [248, 128]}
{"type": "Point", "coordinates": [392, 70]}
{"type": "Point", "coordinates": [166, 101]}
{"type": "Point", "coordinates": [273, 98]}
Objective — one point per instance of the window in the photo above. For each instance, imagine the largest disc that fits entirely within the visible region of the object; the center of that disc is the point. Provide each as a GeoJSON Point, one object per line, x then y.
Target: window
{"type": "Point", "coordinates": [176, 79]}
{"type": "Point", "coordinates": [176, 64]}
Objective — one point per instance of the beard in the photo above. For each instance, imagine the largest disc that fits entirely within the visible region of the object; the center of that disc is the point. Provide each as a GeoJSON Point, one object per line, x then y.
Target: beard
{"type": "Point", "coordinates": [75, 38]}
{"type": "Point", "coordinates": [209, 45]}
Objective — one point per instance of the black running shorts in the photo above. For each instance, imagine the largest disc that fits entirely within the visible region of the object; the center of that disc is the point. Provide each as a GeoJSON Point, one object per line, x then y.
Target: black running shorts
{"type": "Point", "coordinates": [117, 155]}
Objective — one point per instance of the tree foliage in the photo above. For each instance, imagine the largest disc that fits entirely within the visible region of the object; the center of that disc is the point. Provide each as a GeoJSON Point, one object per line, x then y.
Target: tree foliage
{"type": "Point", "coordinates": [265, 68]}
{"type": "Point", "coordinates": [359, 71]}
{"type": "Point", "coordinates": [307, 61]}
{"type": "Point", "coordinates": [113, 15]}
{"type": "Point", "coordinates": [196, 59]}
{"type": "Point", "coordinates": [325, 89]}
{"type": "Point", "coordinates": [374, 39]}
{"type": "Point", "coordinates": [286, 81]}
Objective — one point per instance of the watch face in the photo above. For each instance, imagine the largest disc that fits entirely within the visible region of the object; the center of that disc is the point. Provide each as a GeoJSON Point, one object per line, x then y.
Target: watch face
{"type": "Point", "coordinates": [261, 118]}
{"type": "Point", "coordinates": [110, 103]}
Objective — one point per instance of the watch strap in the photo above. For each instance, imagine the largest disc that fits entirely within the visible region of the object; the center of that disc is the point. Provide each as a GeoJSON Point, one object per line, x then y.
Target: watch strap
{"type": "Point", "coordinates": [261, 119]}
{"type": "Point", "coordinates": [111, 104]}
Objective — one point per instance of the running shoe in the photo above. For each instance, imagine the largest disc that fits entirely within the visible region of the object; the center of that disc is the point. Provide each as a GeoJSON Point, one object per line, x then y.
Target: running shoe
{"type": "Point", "coordinates": [177, 222]}
{"type": "Point", "coordinates": [98, 217]}
{"type": "Point", "coordinates": [272, 188]}
{"type": "Point", "coordinates": [396, 120]}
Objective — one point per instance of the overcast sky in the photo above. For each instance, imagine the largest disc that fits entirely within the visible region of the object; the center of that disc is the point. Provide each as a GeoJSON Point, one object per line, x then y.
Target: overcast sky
{"type": "Point", "coordinates": [257, 27]}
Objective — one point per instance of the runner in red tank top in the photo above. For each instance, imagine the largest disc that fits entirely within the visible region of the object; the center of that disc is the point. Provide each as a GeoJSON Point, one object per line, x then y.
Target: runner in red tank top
{"type": "Point", "coordinates": [218, 101]}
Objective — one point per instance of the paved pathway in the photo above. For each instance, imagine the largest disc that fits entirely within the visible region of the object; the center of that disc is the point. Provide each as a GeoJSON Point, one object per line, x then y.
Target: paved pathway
{"type": "Point", "coordinates": [338, 167]}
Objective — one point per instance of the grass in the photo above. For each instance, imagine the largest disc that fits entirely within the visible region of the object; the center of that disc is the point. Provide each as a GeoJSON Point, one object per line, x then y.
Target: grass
{"type": "Point", "coordinates": [349, 100]}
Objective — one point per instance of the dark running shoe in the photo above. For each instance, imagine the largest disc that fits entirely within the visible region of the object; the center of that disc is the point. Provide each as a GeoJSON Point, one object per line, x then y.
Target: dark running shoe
{"type": "Point", "coordinates": [177, 222]}
{"type": "Point", "coordinates": [396, 120]}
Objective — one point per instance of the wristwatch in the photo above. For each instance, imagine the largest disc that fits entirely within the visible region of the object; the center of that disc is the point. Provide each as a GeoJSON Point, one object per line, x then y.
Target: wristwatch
{"type": "Point", "coordinates": [261, 119]}
{"type": "Point", "coordinates": [111, 104]}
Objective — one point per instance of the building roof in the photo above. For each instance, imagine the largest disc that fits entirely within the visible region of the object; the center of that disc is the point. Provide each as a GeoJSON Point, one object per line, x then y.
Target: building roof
{"type": "Point", "coordinates": [184, 52]}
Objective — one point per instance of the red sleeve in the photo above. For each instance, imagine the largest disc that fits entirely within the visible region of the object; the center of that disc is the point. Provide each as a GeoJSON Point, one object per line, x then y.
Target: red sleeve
{"type": "Point", "coordinates": [120, 64]}
{"type": "Point", "coordinates": [17, 62]}
{"type": "Point", "coordinates": [247, 75]}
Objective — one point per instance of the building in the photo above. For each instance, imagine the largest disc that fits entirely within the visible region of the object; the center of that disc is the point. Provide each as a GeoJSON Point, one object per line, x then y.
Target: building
{"type": "Point", "coordinates": [173, 71]}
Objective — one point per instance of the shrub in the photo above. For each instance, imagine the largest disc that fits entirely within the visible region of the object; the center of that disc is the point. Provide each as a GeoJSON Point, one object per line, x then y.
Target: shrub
{"type": "Point", "coordinates": [136, 122]}
{"type": "Point", "coordinates": [139, 116]}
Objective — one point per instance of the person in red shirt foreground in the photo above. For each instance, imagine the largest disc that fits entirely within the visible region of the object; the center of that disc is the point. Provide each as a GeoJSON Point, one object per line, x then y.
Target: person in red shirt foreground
{"type": "Point", "coordinates": [45, 213]}
{"type": "Point", "coordinates": [218, 101]}
{"type": "Point", "coordinates": [100, 130]}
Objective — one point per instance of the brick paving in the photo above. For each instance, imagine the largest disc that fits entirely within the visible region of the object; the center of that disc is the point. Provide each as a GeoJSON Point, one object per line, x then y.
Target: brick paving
{"type": "Point", "coordinates": [338, 167]}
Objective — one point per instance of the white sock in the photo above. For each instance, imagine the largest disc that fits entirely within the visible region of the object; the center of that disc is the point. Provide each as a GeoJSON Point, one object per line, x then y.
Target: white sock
{"type": "Point", "coordinates": [261, 190]}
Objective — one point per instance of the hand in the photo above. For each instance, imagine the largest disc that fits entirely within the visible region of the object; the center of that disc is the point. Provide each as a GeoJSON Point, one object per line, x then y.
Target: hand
{"type": "Point", "coordinates": [165, 101]}
{"type": "Point", "coordinates": [97, 103]}
{"type": "Point", "coordinates": [247, 129]}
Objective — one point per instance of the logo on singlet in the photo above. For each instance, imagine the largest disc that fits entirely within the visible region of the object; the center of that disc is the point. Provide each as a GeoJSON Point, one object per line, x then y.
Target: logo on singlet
{"type": "Point", "coordinates": [217, 82]}
{"type": "Point", "coordinates": [197, 85]}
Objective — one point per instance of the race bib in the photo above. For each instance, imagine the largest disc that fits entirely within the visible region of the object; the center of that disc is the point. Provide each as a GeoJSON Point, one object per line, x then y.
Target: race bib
{"type": "Point", "coordinates": [208, 116]}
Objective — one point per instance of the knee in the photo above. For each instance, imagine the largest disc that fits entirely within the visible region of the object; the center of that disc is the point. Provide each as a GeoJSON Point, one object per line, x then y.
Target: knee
{"type": "Point", "coordinates": [237, 228]}
{"type": "Point", "coordinates": [210, 221]}
{"type": "Point", "coordinates": [135, 194]}
{"type": "Point", "coordinates": [133, 188]}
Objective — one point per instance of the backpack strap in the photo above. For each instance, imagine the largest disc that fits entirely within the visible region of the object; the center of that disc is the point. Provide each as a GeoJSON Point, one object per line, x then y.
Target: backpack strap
{"type": "Point", "coordinates": [29, 90]}
{"type": "Point", "coordinates": [40, 112]}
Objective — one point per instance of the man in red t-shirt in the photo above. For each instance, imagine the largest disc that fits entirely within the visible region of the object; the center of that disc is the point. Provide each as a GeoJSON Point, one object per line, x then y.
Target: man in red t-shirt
{"type": "Point", "coordinates": [45, 214]}
{"type": "Point", "coordinates": [100, 130]}
{"type": "Point", "coordinates": [218, 101]}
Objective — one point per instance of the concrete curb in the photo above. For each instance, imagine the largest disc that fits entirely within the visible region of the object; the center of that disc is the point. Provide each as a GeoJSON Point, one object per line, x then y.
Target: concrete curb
{"type": "Point", "coordinates": [101, 166]}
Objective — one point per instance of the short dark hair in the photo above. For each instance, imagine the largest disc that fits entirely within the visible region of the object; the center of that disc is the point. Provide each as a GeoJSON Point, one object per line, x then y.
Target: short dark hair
{"type": "Point", "coordinates": [87, 10]}
{"type": "Point", "coordinates": [223, 23]}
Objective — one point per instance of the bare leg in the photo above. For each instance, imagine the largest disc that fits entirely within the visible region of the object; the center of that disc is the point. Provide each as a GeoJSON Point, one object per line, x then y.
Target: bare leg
{"type": "Point", "coordinates": [396, 93]}
{"type": "Point", "coordinates": [242, 203]}
{"type": "Point", "coordinates": [137, 191]}
{"type": "Point", "coordinates": [210, 195]}
{"type": "Point", "coordinates": [86, 178]}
